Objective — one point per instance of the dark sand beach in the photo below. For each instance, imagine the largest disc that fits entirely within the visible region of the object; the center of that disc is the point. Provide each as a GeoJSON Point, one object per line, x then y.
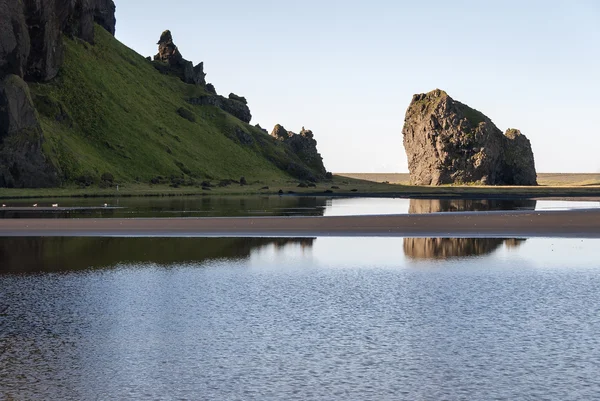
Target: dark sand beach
{"type": "Point", "coordinates": [572, 223]}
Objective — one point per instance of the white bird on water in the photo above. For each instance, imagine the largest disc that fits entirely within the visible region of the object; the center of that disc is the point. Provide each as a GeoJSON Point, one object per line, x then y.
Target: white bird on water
{"type": "Point", "coordinates": [55, 205]}
{"type": "Point", "coordinates": [106, 205]}
{"type": "Point", "coordinates": [35, 205]}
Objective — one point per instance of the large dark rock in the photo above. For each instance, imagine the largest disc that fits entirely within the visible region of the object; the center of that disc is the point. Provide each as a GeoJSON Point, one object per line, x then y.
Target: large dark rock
{"type": "Point", "coordinates": [14, 39]}
{"type": "Point", "coordinates": [31, 48]}
{"type": "Point", "coordinates": [304, 146]}
{"type": "Point", "coordinates": [448, 142]}
{"type": "Point", "coordinates": [169, 54]}
{"type": "Point", "coordinates": [30, 33]}
{"type": "Point", "coordinates": [518, 159]}
{"type": "Point", "coordinates": [22, 160]}
{"type": "Point", "coordinates": [233, 107]}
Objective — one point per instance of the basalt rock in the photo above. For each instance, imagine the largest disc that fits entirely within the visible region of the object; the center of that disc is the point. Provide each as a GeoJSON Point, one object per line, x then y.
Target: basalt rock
{"type": "Point", "coordinates": [448, 142]}
{"type": "Point", "coordinates": [169, 53]}
{"type": "Point", "coordinates": [30, 33]}
{"type": "Point", "coordinates": [22, 160]}
{"type": "Point", "coordinates": [303, 145]}
{"type": "Point", "coordinates": [14, 39]}
{"type": "Point", "coordinates": [31, 49]}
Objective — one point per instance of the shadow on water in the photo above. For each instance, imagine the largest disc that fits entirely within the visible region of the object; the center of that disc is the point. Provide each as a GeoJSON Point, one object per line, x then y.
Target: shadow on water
{"type": "Point", "coordinates": [63, 254]}
{"type": "Point", "coordinates": [445, 248]}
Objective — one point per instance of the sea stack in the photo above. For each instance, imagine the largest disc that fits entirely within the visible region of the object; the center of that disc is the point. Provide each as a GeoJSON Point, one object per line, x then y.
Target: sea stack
{"type": "Point", "coordinates": [448, 142]}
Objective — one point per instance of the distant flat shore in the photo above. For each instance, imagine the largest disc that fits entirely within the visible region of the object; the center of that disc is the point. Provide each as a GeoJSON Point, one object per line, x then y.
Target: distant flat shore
{"type": "Point", "coordinates": [544, 179]}
{"type": "Point", "coordinates": [572, 223]}
{"type": "Point", "coordinates": [342, 185]}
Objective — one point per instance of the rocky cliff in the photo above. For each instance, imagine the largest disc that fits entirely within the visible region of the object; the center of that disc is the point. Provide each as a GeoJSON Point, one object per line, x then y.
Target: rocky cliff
{"type": "Point", "coordinates": [169, 55]}
{"type": "Point", "coordinates": [304, 145]}
{"type": "Point", "coordinates": [448, 142]}
{"type": "Point", "coordinates": [77, 106]}
{"type": "Point", "coordinates": [31, 49]}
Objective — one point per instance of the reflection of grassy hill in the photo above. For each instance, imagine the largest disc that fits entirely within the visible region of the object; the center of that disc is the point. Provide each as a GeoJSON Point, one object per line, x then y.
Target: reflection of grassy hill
{"type": "Point", "coordinates": [110, 111]}
{"type": "Point", "coordinates": [31, 255]}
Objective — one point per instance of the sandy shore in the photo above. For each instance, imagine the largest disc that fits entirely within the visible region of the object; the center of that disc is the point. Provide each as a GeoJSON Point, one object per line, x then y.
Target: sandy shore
{"type": "Point", "coordinates": [574, 223]}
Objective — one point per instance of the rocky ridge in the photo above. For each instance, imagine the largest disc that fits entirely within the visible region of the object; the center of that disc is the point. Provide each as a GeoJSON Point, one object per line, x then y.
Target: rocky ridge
{"type": "Point", "coordinates": [170, 61]}
{"type": "Point", "coordinates": [447, 142]}
{"type": "Point", "coordinates": [303, 144]}
{"type": "Point", "coordinates": [31, 50]}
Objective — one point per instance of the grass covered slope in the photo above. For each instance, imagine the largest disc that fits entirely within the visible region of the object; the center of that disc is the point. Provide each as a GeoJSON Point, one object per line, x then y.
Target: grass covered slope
{"type": "Point", "coordinates": [110, 112]}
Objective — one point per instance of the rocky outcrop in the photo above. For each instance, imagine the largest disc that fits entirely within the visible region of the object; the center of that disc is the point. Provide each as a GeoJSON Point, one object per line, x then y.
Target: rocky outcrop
{"type": "Point", "coordinates": [14, 39]}
{"type": "Point", "coordinates": [31, 49]}
{"type": "Point", "coordinates": [519, 164]}
{"type": "Point", "coordinates": [448, 142]}
{"type": "Point", "coordinates": [303, 145]}
{"type": "Point", "coordinates": [231, 106]}
{"type": "Point", "coordinates": [30, 33]}
{"type": "Point", "coordinates": [22, 161]}
{"type": "Point", "coordinates": [169, 54]}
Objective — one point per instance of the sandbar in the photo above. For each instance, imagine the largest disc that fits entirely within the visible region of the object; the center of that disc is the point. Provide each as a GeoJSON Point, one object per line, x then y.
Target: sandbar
{"type": "Point", "coordinates": [569, 223]}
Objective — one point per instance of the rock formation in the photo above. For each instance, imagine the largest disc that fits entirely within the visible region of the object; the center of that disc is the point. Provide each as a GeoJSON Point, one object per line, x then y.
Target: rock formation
{"type": "Point", "coordinates": [231, 106]}
{"type": "Point", "coordinates": [22, 160]}
{"type": "Point", "coordinates": [30, 33]}
{"type": "Point", "coordinates": [448, 142]}
{"type": "Point", "coordinates": [170, 61]}
{"type": "Point", "coordinates": [31, 49]}
{"type": "Point", "coordinates": [169, 53]}
{"type": "Point", "coordinates": [304, 145]}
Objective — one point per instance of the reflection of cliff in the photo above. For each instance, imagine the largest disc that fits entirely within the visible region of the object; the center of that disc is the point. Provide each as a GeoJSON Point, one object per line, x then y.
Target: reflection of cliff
{"type": "Point", "coordinates": [28, 255]}
{"type": "Point", "coordinates": [207, 206]}
{"type": "Point", "coordinates": [465, 205]}
{"type": "Point", "coordinates": [443, 248]}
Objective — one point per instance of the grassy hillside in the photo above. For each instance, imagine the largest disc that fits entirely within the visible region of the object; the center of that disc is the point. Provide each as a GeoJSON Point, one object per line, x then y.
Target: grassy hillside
{"type": "Point", "coordinates": [110, 112]}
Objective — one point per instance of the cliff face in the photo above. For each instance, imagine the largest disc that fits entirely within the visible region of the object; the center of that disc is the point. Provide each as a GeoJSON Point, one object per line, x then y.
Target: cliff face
{"type": "Point", "coordinates": [304, 145]}
{"type": "Point", "coordinates": [31, 49]}
{"type": "Point", "coordinates": [30, 33]}
{"type": "Point", "coordinates": [448, 142]}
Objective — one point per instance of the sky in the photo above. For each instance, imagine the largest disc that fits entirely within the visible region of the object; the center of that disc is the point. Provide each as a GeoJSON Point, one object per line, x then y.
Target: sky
{"type": "Point", "coordinates": [347, 70]}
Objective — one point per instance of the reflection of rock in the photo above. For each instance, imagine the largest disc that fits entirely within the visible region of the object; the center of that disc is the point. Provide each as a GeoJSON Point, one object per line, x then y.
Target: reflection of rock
{"type": "Point", "coordinates": [442, 248]}
{"type": "Point", "coordinates": [29, 255]}
{"type": "Point", "coordinates": [466, 205]}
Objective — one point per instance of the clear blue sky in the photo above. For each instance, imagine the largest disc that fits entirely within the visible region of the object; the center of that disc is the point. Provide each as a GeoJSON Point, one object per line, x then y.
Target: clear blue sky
{"type": "Point", "coordinates": [348, 69]}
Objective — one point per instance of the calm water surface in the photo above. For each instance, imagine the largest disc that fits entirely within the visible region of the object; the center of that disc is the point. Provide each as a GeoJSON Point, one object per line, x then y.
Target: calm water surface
{"type": "Point", "coordinates": [211, 206]}
{"type": "Point", "coordinates": [323, 318]}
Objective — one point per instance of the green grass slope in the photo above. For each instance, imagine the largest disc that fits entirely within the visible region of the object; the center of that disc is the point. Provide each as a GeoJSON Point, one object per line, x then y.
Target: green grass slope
{"type": "Point", "coordinates": [110, 111]}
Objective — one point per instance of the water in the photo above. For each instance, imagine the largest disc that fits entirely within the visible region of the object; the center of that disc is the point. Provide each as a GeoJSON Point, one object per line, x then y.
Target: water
{"type": "Point", "coordinates": [323, 318]}
{"type": "Point", "coordinates": [230, 206]}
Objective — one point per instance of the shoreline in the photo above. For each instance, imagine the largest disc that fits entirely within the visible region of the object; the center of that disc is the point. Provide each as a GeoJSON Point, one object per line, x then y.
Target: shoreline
{"type": "Point", "coordinates": [592, 193]}
{"type": "Point", "coordinates": [581, 223]}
